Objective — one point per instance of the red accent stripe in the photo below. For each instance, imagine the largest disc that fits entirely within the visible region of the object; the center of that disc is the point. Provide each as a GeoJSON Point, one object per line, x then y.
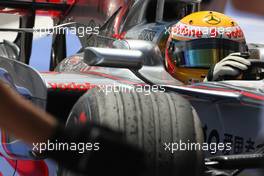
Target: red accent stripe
{"type": "Point", "coordinates": [25, 167]}
{"type": "Point", "coordinates": [244, 93]}
{"type": "Point", "coordinates": [171, 68]}
{"type": "Point", "coordinates": [102, 75]}
{"type": "Point", "coordinates": [3, 142]}
{"type": "Point", "coordinates": [253, 96]}
{"type": "Point", "coordinates": [110, 77]}
{"type": "Point", "coordinates": [216, 89]}
{"type": "Point", "coordinates": [51, 72]}
{"type": "Point", "coordinates": [11, 162]}
{"type": "Point", "coordinates": [32, 168]}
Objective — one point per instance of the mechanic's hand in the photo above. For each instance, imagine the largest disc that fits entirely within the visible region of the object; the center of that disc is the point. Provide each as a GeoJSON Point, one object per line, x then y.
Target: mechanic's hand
{"type": "Point", "coordinates": [231, 66]}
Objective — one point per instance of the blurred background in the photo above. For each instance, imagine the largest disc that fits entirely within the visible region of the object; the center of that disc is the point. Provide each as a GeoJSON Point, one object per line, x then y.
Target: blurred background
{"type": "Point", "coordinates": [41, 48]}
{"type": "Point", "coordinates": [248, 14]}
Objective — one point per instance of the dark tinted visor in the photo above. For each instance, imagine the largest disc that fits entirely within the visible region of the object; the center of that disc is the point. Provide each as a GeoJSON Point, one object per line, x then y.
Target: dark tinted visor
{"type": "Point", "coordinates": [202, 53]}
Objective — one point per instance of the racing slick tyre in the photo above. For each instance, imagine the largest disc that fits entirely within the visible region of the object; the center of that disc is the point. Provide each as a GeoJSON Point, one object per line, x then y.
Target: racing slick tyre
{"type": "Point", "coordinates": [149, 121]}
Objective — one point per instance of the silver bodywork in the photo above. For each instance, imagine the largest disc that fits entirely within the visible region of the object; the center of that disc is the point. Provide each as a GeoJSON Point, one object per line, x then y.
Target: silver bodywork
{"type": "Point", "coordinates": [231, 109]}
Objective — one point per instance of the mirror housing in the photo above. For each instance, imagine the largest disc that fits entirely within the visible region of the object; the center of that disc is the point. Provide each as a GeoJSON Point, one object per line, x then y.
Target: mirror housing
{"type": "Point", "coordinates": [117, 58]}
{"type": "Point", "coordinates": [256, 51]}
{"type": "Point", "coordinates": [25, 80]}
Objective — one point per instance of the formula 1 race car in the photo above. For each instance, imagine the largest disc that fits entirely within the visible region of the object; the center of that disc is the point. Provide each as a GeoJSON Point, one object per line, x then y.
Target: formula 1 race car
{"type": "Point", "coordinates": [212, 128]}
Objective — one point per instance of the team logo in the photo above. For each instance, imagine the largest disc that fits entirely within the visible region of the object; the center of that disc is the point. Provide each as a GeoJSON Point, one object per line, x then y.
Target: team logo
{"type": "Point", "coordinates": [212, 19]}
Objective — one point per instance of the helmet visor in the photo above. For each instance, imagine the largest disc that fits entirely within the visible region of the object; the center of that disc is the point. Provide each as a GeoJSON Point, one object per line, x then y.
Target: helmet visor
{"type": "Point", "coordinates": [202, 53]}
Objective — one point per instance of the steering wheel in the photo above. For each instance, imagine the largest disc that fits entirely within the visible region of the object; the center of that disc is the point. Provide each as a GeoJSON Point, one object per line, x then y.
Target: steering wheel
{"type": "Point", "coordinates": [255, 70]}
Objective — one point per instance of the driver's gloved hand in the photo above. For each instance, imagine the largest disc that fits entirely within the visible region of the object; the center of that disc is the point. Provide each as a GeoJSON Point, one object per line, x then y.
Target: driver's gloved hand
{"type": "Point", "coordinates": [231, 66]}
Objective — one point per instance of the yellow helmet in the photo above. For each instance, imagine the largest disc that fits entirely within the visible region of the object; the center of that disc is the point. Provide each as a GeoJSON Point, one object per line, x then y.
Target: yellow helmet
{"type": "Point", "coordinates": [199, 41]}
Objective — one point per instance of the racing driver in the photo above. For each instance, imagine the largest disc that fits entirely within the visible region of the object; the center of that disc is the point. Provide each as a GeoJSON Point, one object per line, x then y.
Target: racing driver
{"type": "Point", "coordinates": [205, 41]}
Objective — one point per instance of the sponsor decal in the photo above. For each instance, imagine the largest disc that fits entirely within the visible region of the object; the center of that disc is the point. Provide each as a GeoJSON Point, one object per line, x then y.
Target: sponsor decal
{"type": "Point", "coordinates": [71, 86]}
{"type": "Point", "coordinates": [147, 35]}
{"type": "Point", "coordinates": [212, 19]}
{"type": "Point", "coordinates": [238, 143]}
{"type": "Point", "coordinates": [182, 30]}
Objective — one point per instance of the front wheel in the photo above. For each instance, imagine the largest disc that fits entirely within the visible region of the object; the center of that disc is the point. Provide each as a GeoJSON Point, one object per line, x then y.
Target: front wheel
{"type": "Point", "coordinates": [153, 122]}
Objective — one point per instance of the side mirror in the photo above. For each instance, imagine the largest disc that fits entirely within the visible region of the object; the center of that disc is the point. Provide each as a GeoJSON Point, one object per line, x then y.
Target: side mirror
{"type": "Point", "coordinates": [118, 58]}
{"type": "Point", "coordinates": [25, 80]}
{"type": "Point", "coordinates": [256, 51]}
